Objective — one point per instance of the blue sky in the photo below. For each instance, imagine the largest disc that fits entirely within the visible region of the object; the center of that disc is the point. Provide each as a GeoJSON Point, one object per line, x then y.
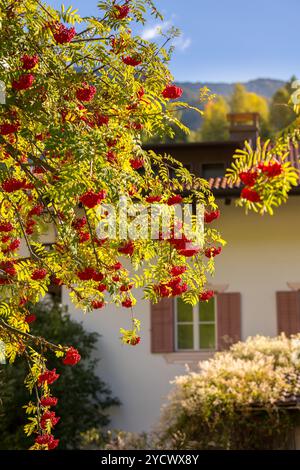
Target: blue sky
{"type": "Point", "coordinates": [226, 40]}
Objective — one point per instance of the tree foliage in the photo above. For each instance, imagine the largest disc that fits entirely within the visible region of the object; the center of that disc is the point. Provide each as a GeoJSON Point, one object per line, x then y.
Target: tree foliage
{"type": "Point", "coordinates": [281, 113]}
{"type": "Point", "coordinates": [243, 101]}
{"type": "Point", "coordinates": [83, 399]}
{"type": "Point", "coordinates": [266, 173]}
{"type": "Point", "coordinates": [215, 123]}
{"type": "Point", "coordinates": [79, 92]}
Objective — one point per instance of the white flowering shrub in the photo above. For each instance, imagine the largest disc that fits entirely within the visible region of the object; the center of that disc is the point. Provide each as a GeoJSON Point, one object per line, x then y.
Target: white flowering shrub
{"type": "Point", "coordinates": [240, 399]}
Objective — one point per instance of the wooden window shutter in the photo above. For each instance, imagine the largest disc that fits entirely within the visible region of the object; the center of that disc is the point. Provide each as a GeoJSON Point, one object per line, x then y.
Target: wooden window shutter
{"type": "Point", "coordinates": [228, 319]}
{"type": "Point", "coordinates": [162, 326]}
{"type": "Point", "coordinates": [288, 312]}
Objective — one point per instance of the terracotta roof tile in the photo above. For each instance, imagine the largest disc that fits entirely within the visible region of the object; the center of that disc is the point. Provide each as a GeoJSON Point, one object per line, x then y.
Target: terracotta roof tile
{"type": "Point", "coordinates": [222, 183]}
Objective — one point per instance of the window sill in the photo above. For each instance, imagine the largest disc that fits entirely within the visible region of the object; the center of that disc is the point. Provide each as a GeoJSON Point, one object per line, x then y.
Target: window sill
{"type": "Point", "coordinates": [188, 357]}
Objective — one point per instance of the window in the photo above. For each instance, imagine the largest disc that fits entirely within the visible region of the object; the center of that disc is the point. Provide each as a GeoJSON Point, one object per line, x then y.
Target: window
{"type": "Point", "coordinates": [213, 170]}
{"type": "Point", "coordinates": [195, 326]}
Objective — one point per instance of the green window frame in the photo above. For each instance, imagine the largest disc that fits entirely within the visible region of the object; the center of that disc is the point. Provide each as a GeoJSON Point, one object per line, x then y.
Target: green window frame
{"type": "Point", "coordinates": [195, 328]}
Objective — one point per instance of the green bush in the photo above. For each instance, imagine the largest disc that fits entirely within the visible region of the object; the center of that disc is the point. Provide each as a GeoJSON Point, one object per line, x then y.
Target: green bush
{"type": "Point", "coordinates": [84, 398]}
{"type": "Point", "coordinates": [238, 399]}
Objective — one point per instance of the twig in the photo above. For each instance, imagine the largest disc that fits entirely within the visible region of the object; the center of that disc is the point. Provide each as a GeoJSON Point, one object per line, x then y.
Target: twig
{"type": "Point", "coordinates": [35, 339]}
{"type": "Point", "coordinates": [90, 39]}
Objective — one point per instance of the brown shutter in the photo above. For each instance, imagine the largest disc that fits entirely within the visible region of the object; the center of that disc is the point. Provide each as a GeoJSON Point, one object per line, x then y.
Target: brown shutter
{"type": "Point", "coordinates": [162, 326]}
{"type": "Point", "coordinates": [228, 319]}
{"type": "Point", "coordinates": [288, 312]}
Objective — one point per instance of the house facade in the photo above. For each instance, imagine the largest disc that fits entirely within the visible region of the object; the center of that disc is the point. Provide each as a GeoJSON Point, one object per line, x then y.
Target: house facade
{"type": "Point", "coordinates": [257, 285]}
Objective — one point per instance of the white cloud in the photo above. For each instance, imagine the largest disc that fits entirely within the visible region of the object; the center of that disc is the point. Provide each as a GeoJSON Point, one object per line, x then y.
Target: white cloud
{"type": "Point", "coordinates": [182, 42]}
{"type": "Point", "coordinates": [154, 31]}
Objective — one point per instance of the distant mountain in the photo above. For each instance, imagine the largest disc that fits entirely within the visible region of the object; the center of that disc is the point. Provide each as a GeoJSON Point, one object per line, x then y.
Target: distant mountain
{"type": "Point", "coordinates": [262, 86]}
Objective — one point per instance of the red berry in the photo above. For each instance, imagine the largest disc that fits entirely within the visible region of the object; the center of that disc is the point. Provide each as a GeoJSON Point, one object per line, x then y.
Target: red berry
{"type": "Point", "coordinates": [6, 227]}
{"type": "Point", "coordinates": [179, 289]}
{"type": "Point", "coordinates": [39, 274]}
{"type": "Point", "coordinates": [91, 199]}
{"type": "Point", "coordinates": [49, 417]}
{"type": "Point", "coordinates": [172, 92]}
{"type": "Point", "coordinates": [55, 280]}
{"type": "Point", "coordinates": [79, 223]}
{"type": "Point", "coordinates": [127, 248]}
{"type": "Point", "coordinates": [188, 252]}
{"type": "Point", "coordinates": [47, 440]}
{"type": "Point", "coordinates": [111, 157]}
{"type": "Point", "coordinates": [210, 216]}
{"type": "Point", "coordinates": [49, 376]}
{"type": "Point", "coordinates": [136, 163]}
{"type": "Point", "coordinates": [72, 357]}
{"type": "Point", "coordinates": [30, 318]}
{"type": "Point", "coordinates": [177, 270]}
{"type": "Point", "coordinates": [212, 252]}
{"type": "Point", "coordinates": [98, 277]}
{"type": "Point", "coordinates": [96, 304]}
{"type": "Point", "coordinates": [8, 268]}
{"type": "Point", "coordinates": [49, 401]}
{"type": "Point", "coordinates": [86, 93]}
{"type": "Point", "coordinates": [207, 295]}
{"type": "Point", "coordinates": [24, 82]}
{"type": "Point", "coordinates": [117, 266]}
{"type": "Point", "coordinates": [62, 34]}
{"type": "Point", "coordinates": [127, 303]}
{"type": "Point", "coordinates": [101, 120]}
{"type": "Point", "coordinates": [133, 61]}
{"type": "Point", "coordinates": [12, 184]}
{"type": "Point", "coordinates": [87, 274]}
{"type": "Point", "coordinates": [6, 128]}
{"type": "Point", "coordinates": [36, 210]}
{"type": "Point", "coordinates": [23, 301]}
{"type": "Point", "coordinates": [248, 177]}
{"type": "Point", "coordinates": [176, 199]}
{"type": "Point", "coordinates": [272, 169]}
{"type": "Point", "coordinates": [126, 288]}
{"type": "Point", "coordinates": [83, 237]}
{"type": "Point", "coordinates": [53, 444]}
{"type": "Point", "coordinates": [122, 11]}
{"type": "Point", "coordinates": [29, 62]}
{"type": "Point", "coordinates": [134, 340]}
{"type": "Point", "coordinates": [250, 194]}
{"type": "Point", "coordinates": [151, 199]}
{"type": "Point", "coordinates": [13, 246]}
{"type": "Point", "coordinates": [101, 287]}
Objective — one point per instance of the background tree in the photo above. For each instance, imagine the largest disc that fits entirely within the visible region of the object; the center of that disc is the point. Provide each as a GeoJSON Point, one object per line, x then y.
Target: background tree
{"type": "Point", "coordinates": [243, 101]}
{"type": "Point", "coordinates": [215, 124]}
{"type": "Point", "coordinates": [281, 113]}
{"type": "Point", "coordinates": [83, 399]}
